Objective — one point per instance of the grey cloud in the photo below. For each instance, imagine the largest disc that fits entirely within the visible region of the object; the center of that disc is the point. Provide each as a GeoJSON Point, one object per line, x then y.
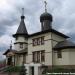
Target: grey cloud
{"type": "Point", "coordinates": [63, 12]}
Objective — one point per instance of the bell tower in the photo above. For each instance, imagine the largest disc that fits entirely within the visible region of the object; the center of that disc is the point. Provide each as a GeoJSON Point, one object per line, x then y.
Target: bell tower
{"type": "Point", "coordinates": [21, 35]}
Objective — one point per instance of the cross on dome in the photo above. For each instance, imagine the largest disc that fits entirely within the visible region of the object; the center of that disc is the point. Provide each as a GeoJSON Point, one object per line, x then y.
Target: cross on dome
{"type": "Point", "coordinates": [11, 45]}
{"type": "Point", "coordinates": [22, 11]}
{"type": "Point", "coordinates": [45, 6]}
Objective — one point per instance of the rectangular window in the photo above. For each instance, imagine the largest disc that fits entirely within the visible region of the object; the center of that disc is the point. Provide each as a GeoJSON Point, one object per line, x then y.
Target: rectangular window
{"type": "Point", "coordinates": [38, 41]}
{"type": "Point", "coordinates": [42, 40]}
{"type": "Point", "coordinates": [39, 56]}
{"type": "Point", "coordinates": [34, 56]}
{"type": "Point", "coordinates": [24, 58]}
{"type": "Point", "coordinates": [34, 42]}
{"type": "Point", "coordinates": [59, 54]}
{"type": "Point", "coordinates": [21, 45]}
{"type": "Point", "coordinates": [42, 56]}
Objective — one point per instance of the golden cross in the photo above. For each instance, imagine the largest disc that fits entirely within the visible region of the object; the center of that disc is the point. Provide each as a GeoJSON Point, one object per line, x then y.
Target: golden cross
{"type": "Point", "coordinates": [45, 6]}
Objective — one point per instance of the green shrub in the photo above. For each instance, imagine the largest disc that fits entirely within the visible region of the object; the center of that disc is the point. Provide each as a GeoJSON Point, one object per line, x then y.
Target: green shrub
{"type": "Point", "coordinates": [13, 69]}
{"type": "Point", "coordinates": [58, 70]}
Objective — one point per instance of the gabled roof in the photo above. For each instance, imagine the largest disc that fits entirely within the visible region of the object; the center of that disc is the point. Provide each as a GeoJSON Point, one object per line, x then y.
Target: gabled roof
{"type": "Point", "coordinates": [22, 28]}
{"type": "Point", "coordinates": [9, 51]}
{"type": "Point", "coordinates": [64, 44]}
{"type": "Point", "coordinates": [16, 52]}
{"type": "Point", "coordinates": [51, 30]}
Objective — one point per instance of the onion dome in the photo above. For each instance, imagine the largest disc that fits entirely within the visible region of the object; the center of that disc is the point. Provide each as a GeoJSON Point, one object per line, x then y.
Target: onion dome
{"type": "Point", "coordinates": [46, 16]}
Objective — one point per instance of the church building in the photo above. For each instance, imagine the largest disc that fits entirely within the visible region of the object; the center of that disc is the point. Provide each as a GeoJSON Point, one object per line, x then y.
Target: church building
{"type": "Point", "coordinates": [44, 49]}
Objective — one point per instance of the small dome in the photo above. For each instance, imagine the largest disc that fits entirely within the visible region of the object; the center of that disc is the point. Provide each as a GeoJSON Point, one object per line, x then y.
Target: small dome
{"type": "Point", "coordinates": [46, 16]}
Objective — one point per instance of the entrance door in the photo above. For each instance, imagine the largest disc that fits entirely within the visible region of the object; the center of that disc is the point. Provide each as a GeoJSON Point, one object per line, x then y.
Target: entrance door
{"type": "Point", "coordinates": [32, 70]}
{"type": "Point", "coordinates": [9, 61]}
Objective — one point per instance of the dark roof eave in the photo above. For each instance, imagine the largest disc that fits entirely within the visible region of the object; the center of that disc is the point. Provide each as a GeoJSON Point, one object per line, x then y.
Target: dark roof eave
{"type": "Point", "coordinates": [66, 47]}
{"type": "Point", "coordinates": [59, 33]}
{"type": "Point", "coordinates": [51, 30]}
{"type": "Point", "coordinates": [15, 35]}
{"type": "Point", "coordinates": [42, 32]}
{"type": "Point", "coordinates": [20, 52]}
{"type": "Point", "coordinates": [8, 51]}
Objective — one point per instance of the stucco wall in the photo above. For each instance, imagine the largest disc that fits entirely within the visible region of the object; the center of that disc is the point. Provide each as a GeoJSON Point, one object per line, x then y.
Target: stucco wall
{"type": "Point", "coordinates": [72, 56]}
{"type": "Point", "coordinates": [56, 39]}
{"type": "Point", "coordinates": [61, 61]}
{"type": "Point", "coordinates": [51, 40]}
{"type": "Point", "coordinates": [17, 44]}
{"type": "Point", "coordinates": [47, 47]}
{"type": "Point", "coordinates": [19, 60]}
{"type": "Point", "coordinates": [21, 39]}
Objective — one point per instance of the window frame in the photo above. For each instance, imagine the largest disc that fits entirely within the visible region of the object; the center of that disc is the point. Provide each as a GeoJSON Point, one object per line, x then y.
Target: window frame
{"type": "Point", "coordinates": [21, 45]}
{"type": "Point", "coordinates": [38, 56]}
{"type": "Point", "coordinates": [38, 41]}
{"type": "Point", "coordinates": [34, 56]}
{"type": "Point", "coordinates": [42, 40]}
{"type": "Point", "coordinates": [43, 56]}
{"type": "Point", "coordinates": [59, 54]}
{"type": "Point", "coordinates": [34, 42]}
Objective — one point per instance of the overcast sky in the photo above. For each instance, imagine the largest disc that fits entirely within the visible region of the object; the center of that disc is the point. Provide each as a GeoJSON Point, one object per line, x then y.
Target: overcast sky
{"type": "Point", "coordinates": [63, 12]}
